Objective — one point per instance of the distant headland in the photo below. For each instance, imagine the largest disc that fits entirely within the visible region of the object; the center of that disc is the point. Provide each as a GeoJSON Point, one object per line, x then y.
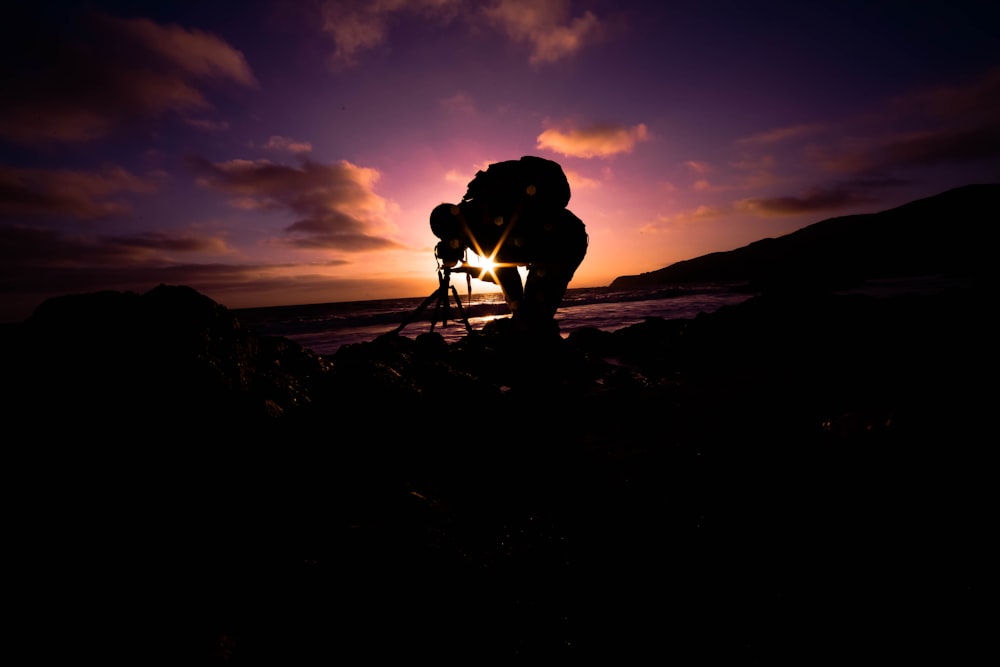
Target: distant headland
{"type": "Point", "coordinates": [943, 234]}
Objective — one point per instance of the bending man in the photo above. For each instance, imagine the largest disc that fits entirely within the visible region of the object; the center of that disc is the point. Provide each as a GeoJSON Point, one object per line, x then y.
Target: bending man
{"type": "Point", "coordinates": [515, 214]}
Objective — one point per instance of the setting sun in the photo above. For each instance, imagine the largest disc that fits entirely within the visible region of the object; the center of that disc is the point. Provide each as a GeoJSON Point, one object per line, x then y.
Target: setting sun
{"type": "Point", "coordinates": [489, 268]}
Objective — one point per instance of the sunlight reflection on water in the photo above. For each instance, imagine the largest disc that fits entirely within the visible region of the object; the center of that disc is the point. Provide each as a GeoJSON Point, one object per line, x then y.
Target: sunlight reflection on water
{"type": "Point", "coordinates": [605, 315]}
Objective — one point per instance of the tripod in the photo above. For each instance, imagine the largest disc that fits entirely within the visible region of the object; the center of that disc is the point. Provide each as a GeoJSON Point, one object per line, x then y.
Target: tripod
{"type": "Point", "coordinates": [441, 296]}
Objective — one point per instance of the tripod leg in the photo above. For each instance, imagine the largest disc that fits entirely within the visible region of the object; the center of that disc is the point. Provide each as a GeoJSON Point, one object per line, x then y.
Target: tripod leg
{"type": "Point", "coordinates": [461, 310]}
{"type": "Point", "coordinates": [444, 305]}
{"type": "Point", "coordinates": [415, 314]}
{"type": "Point", "coordinates": [442, 302]}
{"type": "Point", "coordinates": [441, 295]}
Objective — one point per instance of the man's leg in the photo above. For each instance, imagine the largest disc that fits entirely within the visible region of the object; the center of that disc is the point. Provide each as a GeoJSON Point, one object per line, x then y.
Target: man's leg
{"type": "Point", "coordinates": [543, 292]}
{"type": "Point", "coordinates": [563, 247]}
{"type": "Point", "coordinates": [510, 283]}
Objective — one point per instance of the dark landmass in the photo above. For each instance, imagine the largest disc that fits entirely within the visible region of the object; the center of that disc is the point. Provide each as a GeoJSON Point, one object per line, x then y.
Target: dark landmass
{"type": "Point", "coordinates": [791, 480]}
{"type": "Point", "coordinates": [946, 234]}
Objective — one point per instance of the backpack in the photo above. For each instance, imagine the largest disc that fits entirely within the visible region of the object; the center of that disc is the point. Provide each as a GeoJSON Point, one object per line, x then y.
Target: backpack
{"type": "Point", "coordinates": [531, 184]}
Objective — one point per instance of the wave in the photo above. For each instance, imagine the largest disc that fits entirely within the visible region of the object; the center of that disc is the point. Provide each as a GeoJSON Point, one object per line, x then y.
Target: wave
{"type": "Point", "coordinates": [324, 326]}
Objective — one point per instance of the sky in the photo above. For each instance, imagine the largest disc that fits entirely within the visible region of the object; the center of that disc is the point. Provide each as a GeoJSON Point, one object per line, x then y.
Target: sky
{"type": "Point", "coordinates": [267, 152]}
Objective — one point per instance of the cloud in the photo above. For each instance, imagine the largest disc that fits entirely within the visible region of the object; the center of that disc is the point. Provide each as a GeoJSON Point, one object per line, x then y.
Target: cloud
{"type": "Point", "coordinates": [578, 181]}
{"type": "Point", "coordinates": [78, 87]}
{"type": "Point", "coordinates": [977, 98]}
{"type": "Point", "coordinates": [782, 134]}
{"type": "Point", "coordinates": [945, 125]}
{"type": "Point", "coordinates": [459, 103]}
{"type": "Point", "coordinates": [595, 141]}
{"type": "Point", "coordinates": [84, 195]}
{"type": "Point", "coordinates": [465, 177]}
{"type": "Point", "coordinates": [683, 218]}
{"type": "Point", "coordinates": [818, 199]}
{"type": "Point", "coordinates": [194, 52]}
{"type": "Point", "coordinates": [754, 172]}
{"type": "Point", "coordinates": [698, 167]}
{"type": "Point", "coordinates": [356, 27]}
{"type": "Point", "coordinates": [544, 24]}
{"type": "Point", "coordinates": [944, 146]}
{"type": "Point", "coordinates": [336, 205]}
{"type": "Point", "coordinates": [37, 263]}
{"type": "Point", "coordinates": [32, 250]}
{"type": "Point", "coordinates": [455, 176]}
{"type": "Point", "coordinates": [23, 247]}
{"type": "Point", "coordinates": [672, 222]}
{"type": "Point", "coordinates": [932, 147]}
{"type": "Point", "coordinates": [287, 144]}
{"type": "Point", "coordinates": [208, 124]}
{"type": "Point", "coordinates": [180, 242]}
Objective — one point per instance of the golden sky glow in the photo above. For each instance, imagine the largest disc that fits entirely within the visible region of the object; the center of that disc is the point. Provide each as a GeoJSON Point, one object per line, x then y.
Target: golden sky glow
{"type": "Point", "coordinates": [271, 153]}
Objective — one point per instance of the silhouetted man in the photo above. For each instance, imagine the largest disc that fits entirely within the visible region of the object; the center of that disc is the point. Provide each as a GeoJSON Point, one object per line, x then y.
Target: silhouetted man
{"type": "Point", "coordinates": [515, 214]}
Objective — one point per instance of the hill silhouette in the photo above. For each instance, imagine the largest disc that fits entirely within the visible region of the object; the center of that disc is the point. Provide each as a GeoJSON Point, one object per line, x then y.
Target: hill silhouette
{"type": "Point", "coordinates": [942, 234]}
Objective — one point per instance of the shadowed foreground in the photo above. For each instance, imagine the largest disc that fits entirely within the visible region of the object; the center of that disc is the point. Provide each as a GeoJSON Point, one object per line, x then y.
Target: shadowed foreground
{"type": "Point", "coordinates": [785, 481]}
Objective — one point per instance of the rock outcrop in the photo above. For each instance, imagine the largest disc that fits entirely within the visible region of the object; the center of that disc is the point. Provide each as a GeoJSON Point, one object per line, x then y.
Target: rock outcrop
{"type": "Point", "coordinates": [767, 483]}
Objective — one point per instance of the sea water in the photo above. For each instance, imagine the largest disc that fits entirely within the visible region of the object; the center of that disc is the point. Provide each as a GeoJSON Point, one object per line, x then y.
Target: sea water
{"type": "Point", "coordinates": [324, 328]}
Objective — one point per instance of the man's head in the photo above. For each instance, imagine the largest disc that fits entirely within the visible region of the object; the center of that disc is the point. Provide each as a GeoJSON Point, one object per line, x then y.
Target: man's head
{"type": "Point", "coordinates": [446, 221]}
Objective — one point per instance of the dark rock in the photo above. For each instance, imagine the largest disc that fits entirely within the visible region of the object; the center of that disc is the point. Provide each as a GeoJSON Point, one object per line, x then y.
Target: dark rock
{"type": "Point", "coordinates": [732, 487]}
{"type": "Point", "coordinates": [171, 361]}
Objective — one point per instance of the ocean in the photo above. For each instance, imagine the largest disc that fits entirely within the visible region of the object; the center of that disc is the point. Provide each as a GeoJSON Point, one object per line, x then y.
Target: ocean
{"type": "Point", "coordinates": [325, 327]}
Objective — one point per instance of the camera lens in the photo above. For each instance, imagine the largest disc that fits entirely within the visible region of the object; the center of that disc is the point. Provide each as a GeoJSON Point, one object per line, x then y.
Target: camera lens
{"type": "Point", "coordinates": [446, 252]}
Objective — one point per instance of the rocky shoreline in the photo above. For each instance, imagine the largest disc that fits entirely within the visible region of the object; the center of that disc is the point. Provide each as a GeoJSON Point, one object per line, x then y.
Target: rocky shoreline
{"type": "Point", "coordinates": [793, 479]}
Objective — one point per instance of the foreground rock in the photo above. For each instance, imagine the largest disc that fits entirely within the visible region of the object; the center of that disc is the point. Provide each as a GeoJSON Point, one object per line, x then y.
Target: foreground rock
{"type": "Point", "coordinates": [770, 483]}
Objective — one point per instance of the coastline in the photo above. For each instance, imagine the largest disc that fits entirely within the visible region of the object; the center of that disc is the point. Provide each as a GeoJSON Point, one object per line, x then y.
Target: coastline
{"type": "Point", "coordinates": [765, 483]}
{"type": "Point", "coordinates": [323, 328]}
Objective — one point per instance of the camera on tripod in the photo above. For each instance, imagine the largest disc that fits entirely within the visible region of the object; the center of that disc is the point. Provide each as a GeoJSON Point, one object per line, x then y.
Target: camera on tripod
{"type": "Point", "coordinates": [449, 254]}
{"type": "Point", "coordinates": [453, 260]}
{"type": "Point", "coordinates": [449, 257]}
